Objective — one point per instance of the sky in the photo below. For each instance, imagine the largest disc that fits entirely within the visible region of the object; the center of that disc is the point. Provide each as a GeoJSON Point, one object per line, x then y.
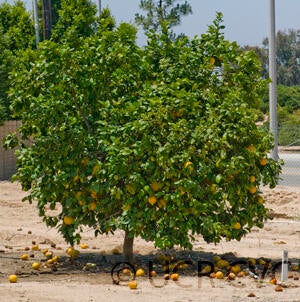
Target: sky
{"type": "Point", "coordinates": [246, 21]}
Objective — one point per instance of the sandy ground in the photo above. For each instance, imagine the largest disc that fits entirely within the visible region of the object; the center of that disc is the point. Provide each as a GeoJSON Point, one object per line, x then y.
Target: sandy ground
{"type": "Point", "coordinates": [66, 281]}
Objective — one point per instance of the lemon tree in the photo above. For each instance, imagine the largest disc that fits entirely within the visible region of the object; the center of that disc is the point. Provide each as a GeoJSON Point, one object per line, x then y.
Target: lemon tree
{"type": "Point", "coordinates": [160, 141]}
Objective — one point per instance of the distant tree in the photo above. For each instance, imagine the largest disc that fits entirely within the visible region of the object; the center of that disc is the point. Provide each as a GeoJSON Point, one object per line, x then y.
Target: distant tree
{"type": "Point", "coordinates": [162, 13]}
{"type": "Point", "coordinates": [288, 57]}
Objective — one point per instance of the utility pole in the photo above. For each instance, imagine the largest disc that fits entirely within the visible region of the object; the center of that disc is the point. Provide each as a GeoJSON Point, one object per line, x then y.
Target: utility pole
{"type": "Point", "coordinates": [99, 7]}
{"type": "Point", "coordinates": [36, 22]}
{"type": "Point", "coordinates": [273, 84]}
{"type": "Point", "coordinates": [47, 18]}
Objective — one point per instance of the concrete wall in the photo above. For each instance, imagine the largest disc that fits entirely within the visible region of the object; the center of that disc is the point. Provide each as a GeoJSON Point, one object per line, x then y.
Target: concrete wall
{"type": "Point", "coordinates": [7, 157]}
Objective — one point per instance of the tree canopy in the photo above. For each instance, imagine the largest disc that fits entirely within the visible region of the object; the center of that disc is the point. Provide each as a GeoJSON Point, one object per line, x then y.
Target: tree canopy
{"type": "Point", "coordinates": [160, 141]}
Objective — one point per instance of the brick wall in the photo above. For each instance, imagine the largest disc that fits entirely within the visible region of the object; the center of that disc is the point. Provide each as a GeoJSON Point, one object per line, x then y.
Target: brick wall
{"type": "Point", "coordinates": [7, 157]}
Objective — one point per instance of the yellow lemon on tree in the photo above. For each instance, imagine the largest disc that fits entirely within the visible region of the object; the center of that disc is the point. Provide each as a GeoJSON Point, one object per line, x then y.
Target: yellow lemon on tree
{"type": "Point", "coordinates": [189, 165]}
{"type": "Point", "coordinates": [152, 200]}
{"type": "Point", "coordinates": [92, 206]}
{"type": "Point", "coordinates": [237, 226]}
{"type": "Point", "coordinates": [263, 161]}
{"type": "Point", "coordinates": [252, 190]}
{"type": "Point", "coordinates": [252, 178]}
{"type": "Point", "coordinates": [94, 194]}
{"type": "Point", "coordinates": [68, 220]}
{"type": "Point", "coordinates": [251, 148]}
{"type": "Point", "coordinates": [260, 200]}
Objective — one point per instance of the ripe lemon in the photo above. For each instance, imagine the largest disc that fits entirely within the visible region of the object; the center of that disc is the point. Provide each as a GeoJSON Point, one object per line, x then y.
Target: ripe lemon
{"type": "Point", "coordinates": [189, 165]}
{"type": "Point", "coordinates": [24, 257]}
{"type": "Point", "coordinates": [49, 255]}
{"type": "Point", "coordinates": [132, 284]}
{"type": "Point", "coordinates": [35, 247]}
{"type": "Point", "coordinates": [174, 277]}
{"type": "Point", "coordinates": [72, 252]}
{"type": "Point", "coordinates": [84, 246]}
{"type": "Point", "coordinates": [219, 275]}
{"type": "Point", "coordinates": [251, 148]}
{"type": "Point", "coordinates": [231, 276]}
{"type": "Point", "coordinates": [68, 220]}
{"type": "Point", "coordinates": [252, 178]}
{"type": "Point", "coordinates": [235, 269]}
{"type": "Point", "coordinates": [152, 274]}
{"type": "Point", "coordinates": [140, 272]}
{"type": "Point", "coordinates": [55, 259]}
{"type": "Point", "coordinates": [35, 265]}
{"type": "Point", "coordinates": [152, 200]}
{"type": "Point", "coordinates": [13, 278]}
{"type": "Point", "coordinates": [237, 226]}
{"type": "Point", "coordinates": [44, 251]}
{"type": "Point", "coordinates": [92, 206]}
{"type": "Point", "coordinates": [94, 194]}
{"type": "Point", "coordinates": [260, 200]}
{"type": "Point", "coordinates": [252, 190]}
{"type": "Point", "coordinates": [263, 161]}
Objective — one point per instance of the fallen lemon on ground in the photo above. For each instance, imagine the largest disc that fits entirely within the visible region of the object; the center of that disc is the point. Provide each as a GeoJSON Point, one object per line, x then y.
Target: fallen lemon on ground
{"type": "Point", "coordinates": [13, 278]}
{"type": "Point", "coordinates": [84, 246]}
{"type": "Point", "coordinates": [175, 277]}
{"type": "Point", "coordinates": [35, 265]}
{"type": "Point", "coordinates": [219, 275]}
{"type": "Point", "coordinates": [140, 272]}
{"type": "Point", "coordinates": [132, 284]}
{"type": "Point", "coordinates": [24, 257]}
{"type": "Point", "coordinates": [35, 247]}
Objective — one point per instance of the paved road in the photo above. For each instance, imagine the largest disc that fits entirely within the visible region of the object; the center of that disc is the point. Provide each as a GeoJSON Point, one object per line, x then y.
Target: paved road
{"type": "Point", "coordinates": [291, 169]}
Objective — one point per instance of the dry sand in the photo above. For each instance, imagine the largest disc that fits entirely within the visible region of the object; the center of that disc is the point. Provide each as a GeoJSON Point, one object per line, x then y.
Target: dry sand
{"type": "Point", "coordinates": [69, 281]}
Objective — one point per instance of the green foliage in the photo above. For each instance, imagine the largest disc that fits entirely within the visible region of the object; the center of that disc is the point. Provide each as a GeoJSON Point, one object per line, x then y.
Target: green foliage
{"type": "Point", "coordinates": [289, 133]}
{"type": "Point", "coordinates": [16, 34]}
{"type": "Point", "coordinates": [76, 18]}
{"type": "Point", "coordinates": [287, 96]}
{"type": "Point", "coordinates": [159, 142]}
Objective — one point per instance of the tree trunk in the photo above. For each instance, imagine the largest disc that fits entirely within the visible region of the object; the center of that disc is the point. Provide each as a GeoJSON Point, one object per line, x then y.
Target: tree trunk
{"type": "Point", "coordinates": [128, 247]}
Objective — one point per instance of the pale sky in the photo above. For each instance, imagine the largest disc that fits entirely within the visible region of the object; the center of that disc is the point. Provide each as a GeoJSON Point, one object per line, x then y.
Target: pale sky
{"type": "Point", "coordinates": [246, 21]}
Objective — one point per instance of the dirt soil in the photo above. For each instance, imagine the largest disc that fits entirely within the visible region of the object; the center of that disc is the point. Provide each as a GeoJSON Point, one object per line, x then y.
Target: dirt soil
{"type": "Point", "coordinates": [88, 278]}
